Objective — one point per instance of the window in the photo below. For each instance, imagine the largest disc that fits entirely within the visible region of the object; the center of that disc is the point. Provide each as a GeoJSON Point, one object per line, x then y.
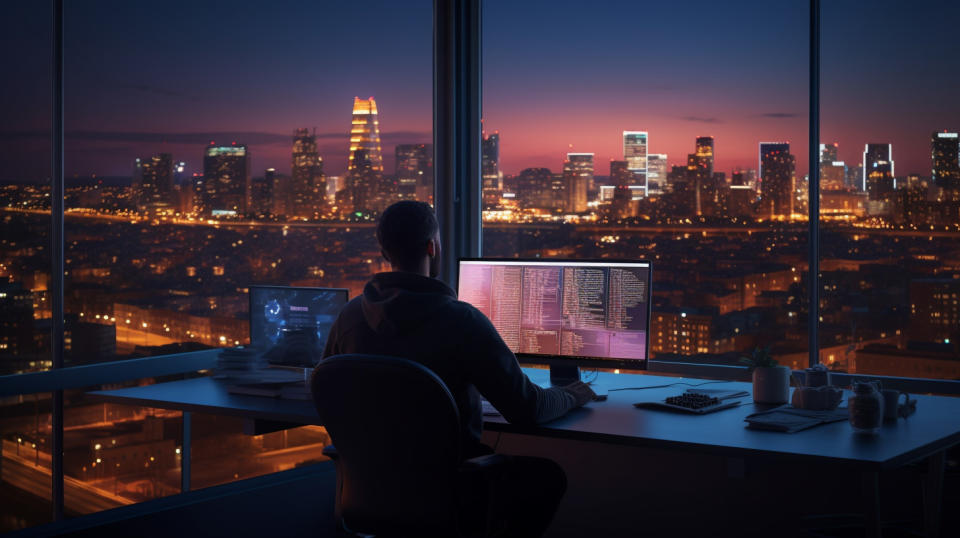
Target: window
{"type": "Point", "coordinates": [890, 201]}
{"type": "Point", "coordinates": [639, 131]}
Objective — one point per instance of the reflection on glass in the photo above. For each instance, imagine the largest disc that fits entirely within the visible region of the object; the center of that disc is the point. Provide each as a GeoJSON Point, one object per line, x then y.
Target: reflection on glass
{"type": "Point", "coordinates": [25, 483]}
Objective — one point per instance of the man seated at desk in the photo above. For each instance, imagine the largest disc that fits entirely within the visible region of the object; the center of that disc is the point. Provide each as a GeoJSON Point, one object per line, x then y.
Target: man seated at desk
{"type": "Point", "coordinates": [409, 313]}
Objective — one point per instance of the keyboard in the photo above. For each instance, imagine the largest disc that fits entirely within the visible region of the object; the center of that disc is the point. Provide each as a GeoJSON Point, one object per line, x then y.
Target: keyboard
{"type": "Point", "coordinates": [695, 401]}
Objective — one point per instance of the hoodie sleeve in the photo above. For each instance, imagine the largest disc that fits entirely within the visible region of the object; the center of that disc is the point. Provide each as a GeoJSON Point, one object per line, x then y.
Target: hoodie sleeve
{"type": "Point", "coordinates": [494, 370]}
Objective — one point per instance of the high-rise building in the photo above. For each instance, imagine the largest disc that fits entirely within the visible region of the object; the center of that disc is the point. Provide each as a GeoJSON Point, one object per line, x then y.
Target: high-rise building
{"type": "Point", "coordinates": [833, 171]}
{"type": "Point", "coordinates": [700, 177]}
{"type": "Point", "coordinates": [153, 186]}
{"type": "Point", "coordinates": [307, 184]}
{"type": "Point", "coordinates": [262, 193]}
{"type": "Point", "coordinates": [414, 172]}
{"type": "Point", "coordinates": [226, 179]}
{"type": "Point", "coordinates": [656, 172]}
{"type": "Point", "coordinates": [946, 163]}
{"type": "Point", "coordinates": [491, 178]}
{"type": "Point", "coordinates": [878, 171]}
{"type": "Point", "coordinates": [534, 189]}
{"type": "Point", "coordinates": [635, 153]}
{"type": "Point", "coordinates": [577, 176]}
{"type": "Point", "coordinates": [622, 204]}
{"type": "Point", "coordinates": [777, 170]}
{"type": "Point", "coordinates": [365, 185]}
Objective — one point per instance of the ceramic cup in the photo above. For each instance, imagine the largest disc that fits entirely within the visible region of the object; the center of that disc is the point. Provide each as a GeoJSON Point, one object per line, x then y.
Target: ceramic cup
{"type": "Point", "coordinates": [891, 402]}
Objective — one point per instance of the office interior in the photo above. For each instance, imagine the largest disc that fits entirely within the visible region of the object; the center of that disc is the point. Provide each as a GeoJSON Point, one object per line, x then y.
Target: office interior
{"type": "Point", "coordinates": [161, 161]}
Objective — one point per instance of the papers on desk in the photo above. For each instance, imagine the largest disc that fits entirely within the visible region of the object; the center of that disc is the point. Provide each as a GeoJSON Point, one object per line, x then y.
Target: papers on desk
{"type": "Point", "coordinates": [788, 419]}
{"type": "Point", "coordinates": [247, 372]}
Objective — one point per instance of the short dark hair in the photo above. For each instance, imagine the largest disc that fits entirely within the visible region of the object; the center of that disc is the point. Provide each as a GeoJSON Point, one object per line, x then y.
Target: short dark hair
{"type": "Point", "coordinates": [404, 229]}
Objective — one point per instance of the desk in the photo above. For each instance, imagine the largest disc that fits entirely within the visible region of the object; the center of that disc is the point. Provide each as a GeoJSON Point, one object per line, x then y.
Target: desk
{"type": "Point", "coordinates": [927, 434]}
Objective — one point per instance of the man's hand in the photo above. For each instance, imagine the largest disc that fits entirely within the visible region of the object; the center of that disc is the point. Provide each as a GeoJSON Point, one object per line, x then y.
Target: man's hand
{"type": "Point", "coordinates": [580, 391]}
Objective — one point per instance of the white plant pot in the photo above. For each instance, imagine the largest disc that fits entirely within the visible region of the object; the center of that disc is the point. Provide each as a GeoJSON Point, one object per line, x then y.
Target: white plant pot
{"type": "Point", "coordinates": [771, 385]}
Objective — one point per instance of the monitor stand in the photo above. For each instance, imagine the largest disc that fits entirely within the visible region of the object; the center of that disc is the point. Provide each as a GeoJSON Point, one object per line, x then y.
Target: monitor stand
{"type": "Point", "coordinates": [562, 375]}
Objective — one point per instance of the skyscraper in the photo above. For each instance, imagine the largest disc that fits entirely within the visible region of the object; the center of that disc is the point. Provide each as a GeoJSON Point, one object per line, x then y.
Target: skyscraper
{"type": "Point", "coordinates": [577, 175]}
{"type": "Point", "coordinates": [878, 171]}
{"type": "Point", "coordinates": [622, 204]}
{"type": "Point", "coordinates": [153, 182]}
{"type": "Point", "coordinates": [414, 172]}
{"type": "Point", "coordinates": [777, 168]}
{"type": "Point", "coordinates": [635, 153]}
{"type": "Point", "coordinates": [365, 135]}
{"type": "Point", "coordinates": [946, 163]}
{"type": "Point", "coordinates": [366, 189]}
{"type": "Point", "coordinates": [490, 170]}
{"type": "Point", "coordinates": [833, 171]}
{"type": "Point", "coordinates": [262, 193]}
{"type": "Point", "coordinates": [656, 172]}
{"type": "Point", "coordinates": [307, 184]}
{"type": "Point", "coordinates": [226, 179]}
{"type": "Point", "coordinates": [534, 189]}
{"type": "Point", "coordinates": [700, 176]}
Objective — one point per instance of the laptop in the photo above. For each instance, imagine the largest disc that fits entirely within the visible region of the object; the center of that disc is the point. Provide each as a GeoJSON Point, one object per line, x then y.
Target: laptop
{"type": "Point", "coordinates": [292, 324]}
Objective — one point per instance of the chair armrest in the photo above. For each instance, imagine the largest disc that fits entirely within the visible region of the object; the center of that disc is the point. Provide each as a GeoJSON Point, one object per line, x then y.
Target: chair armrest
{"type": "Point", "coordinates": [330, 451]}
{"type": "Point", "coordinates": [483, 463]}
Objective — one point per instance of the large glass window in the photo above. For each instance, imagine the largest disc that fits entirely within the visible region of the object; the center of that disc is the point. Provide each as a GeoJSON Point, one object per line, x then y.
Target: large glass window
{"type": "Point", "coordinates": [890, 201]}
{"type": "Point", "coordinates": [668, 132]}
{"type": "Point", "coordinates": [218, 145]}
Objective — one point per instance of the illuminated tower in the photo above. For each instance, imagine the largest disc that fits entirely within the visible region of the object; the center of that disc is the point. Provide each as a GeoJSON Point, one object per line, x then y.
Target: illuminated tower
{"type": "Point", "coordinates": [833, 171]}
{"type": "Point", "coordinates": [946, 164]}
{"type": "Point", "coordinates": [635, 153]}
{"type": "Point", "coordinates": [307, 184]}
{"type": "Point", "coordinates": [365, 135]}
{"type": "Point", "coordinates": [878, 171]}
{"type": "Point", "coordinates": [656, 172]}
{"type": "Point", "coordinates": [577, 175]}
{"type": "Point", "coordinates": [777, 167]}
{"type": "Point", "coordinates": [367, 190]}
{"type": "Point", "coordinates": [414, 172]}
{"type": "Point", "coordinates": [490, 170]}
{"type": "Point", "coordinates": [226, 179]}
{"type": "Point", "coordinates": [153, 182]}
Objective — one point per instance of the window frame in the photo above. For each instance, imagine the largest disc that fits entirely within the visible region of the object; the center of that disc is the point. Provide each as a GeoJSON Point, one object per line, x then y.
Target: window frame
{"type": "Point", "coordinates": [457, 109]}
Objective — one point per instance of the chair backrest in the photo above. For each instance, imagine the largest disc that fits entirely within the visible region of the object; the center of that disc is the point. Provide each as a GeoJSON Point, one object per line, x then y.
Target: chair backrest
{"type": "Point", "coordinates": [396, 429]}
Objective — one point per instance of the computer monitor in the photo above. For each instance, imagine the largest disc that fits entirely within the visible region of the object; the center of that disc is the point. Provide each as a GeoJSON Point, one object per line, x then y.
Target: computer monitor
{"type": "Point", "coordinates": [564, 312]}
{"type": "Point", "coordinates": [279, 312]}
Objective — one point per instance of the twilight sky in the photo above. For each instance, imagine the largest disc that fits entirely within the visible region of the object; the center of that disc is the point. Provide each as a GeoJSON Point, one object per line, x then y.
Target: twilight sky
{"type": "Point", "coordinates": [144, 77]}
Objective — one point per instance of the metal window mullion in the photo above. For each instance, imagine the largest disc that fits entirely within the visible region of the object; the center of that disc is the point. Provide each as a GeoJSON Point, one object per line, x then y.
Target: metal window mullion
{"type": "Point", "coordinates": [57, 265]}
{"type": "Point", "coordinates": [813, 188]}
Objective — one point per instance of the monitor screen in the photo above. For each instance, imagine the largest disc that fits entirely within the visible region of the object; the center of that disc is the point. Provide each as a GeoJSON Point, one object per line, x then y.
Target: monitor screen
{"type": "Point", "coordinates": [278, 312]}
{"type": "Point", "coordinates": [563, 308]}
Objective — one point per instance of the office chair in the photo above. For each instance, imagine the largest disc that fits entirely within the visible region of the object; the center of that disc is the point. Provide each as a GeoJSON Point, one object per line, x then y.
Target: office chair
{"type": "Point", "coordinates": [396, 430]}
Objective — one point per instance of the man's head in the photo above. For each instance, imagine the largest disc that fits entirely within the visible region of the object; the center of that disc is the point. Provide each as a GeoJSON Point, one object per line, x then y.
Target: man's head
{"type": "Point", "coordinates": [409, 238]}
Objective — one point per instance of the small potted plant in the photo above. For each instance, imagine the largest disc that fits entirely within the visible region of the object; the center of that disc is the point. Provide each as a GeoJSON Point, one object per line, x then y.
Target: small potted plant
{"type": "Point", "coordinates": [771, 383]}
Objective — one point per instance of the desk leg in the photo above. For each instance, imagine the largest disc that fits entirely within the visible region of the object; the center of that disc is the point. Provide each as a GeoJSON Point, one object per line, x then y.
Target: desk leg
{"type": "Point", "coordinates": [933, 494]}
{"type": "Point", "coordinates": [870, 482]}
{"type": "Point", "coordinates": [185, 455]}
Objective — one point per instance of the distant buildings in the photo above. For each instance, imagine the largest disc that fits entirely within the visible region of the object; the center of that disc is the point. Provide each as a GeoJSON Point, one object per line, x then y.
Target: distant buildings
{"type": "Point", "coordinates": [945, 154]}
{"type": "Point", "coordinates": [414, 172]}
{"type": "Point", "coordinates": [366, 190]}
{"type": "Point", "coordinates": [577, 176]}
{"type": "Point", "coordinates": [153, 185]}
{"type": "Point", "coordinates": [777, 169]}
{"type": "Point", "coordinates": [656, 172]}
{"type": "Point", "coordinates": [491, 177]}
{"type": "Point", "coordinates": [878, 172]}
{"type": "Point", "coordinates": [305, 195]}
{"type": "Point", "coordinates": [635, 154]}
{"type": "Point", "coordinates": [226, 180]}
{"type": "Point", "coordinates": [833, 171]}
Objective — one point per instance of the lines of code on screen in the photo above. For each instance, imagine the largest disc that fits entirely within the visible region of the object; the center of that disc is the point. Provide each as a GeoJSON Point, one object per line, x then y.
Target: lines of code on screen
{"type": "Point", "coordinates": [567, 309]}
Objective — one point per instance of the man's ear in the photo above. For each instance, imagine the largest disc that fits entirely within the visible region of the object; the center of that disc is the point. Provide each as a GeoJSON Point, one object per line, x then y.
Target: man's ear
{"type": "Point", "coordinates": [431, 248]}
{"type": "Point", "coordinates": [384, 254]}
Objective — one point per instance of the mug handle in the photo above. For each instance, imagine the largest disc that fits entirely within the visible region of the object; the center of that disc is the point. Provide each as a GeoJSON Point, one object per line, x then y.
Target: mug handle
{"type": "Point", "coordinates": [906, 400]}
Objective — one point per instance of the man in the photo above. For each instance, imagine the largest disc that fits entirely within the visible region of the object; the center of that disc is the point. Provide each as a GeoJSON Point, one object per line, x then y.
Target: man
{"type": "Point", "coordinates": [409, 313]}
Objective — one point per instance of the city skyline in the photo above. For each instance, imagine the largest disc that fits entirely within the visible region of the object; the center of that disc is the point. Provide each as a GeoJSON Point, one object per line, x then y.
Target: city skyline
{"type": "Point", "coordinates": [750, 88]}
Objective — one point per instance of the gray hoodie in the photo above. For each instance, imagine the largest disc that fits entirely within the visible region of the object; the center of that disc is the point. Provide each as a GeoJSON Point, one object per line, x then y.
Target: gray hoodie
{"type": "Point", "coordinates": [419, 318]}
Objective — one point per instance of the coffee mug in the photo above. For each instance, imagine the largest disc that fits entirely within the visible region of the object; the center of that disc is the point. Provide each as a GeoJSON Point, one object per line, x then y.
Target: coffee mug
{"type": "Point", "coordinates": [891, 402]}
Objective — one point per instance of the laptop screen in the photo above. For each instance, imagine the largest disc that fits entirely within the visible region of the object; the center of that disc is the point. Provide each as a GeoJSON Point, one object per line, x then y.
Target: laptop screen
{"type": "Point", "coordinates": [278, 313]}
